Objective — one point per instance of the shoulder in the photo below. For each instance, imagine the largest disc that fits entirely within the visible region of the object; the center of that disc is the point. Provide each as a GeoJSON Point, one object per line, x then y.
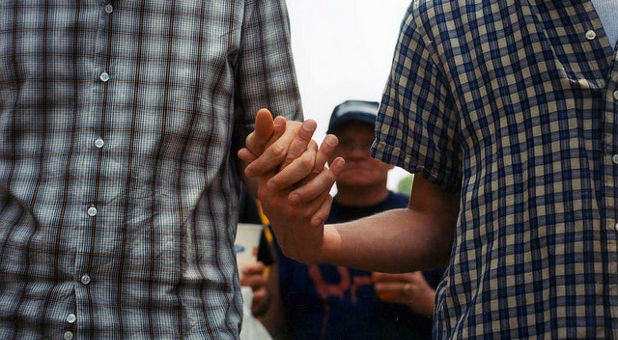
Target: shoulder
{"type": "Point", "coordinates": [439, 19]}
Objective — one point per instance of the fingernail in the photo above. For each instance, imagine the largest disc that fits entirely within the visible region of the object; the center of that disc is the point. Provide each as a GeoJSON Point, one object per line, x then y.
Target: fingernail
{"type": "Point", "coordinates": [331, 140]}
{"type": "Point", "coordinates": [338, 164]}
{"type": "Point", "coordinates": [309, 125]}
{"type": "Point", "coordinates": [278, 122]}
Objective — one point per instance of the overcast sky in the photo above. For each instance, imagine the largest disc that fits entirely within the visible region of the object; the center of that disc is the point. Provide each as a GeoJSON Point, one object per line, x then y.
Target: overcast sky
{"type": "Point", "coordinates": [343, 50]}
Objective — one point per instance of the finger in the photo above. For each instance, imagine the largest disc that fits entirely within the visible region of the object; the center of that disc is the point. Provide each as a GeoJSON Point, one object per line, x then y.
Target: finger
{"type": "Point", "coordinates": [321, 215]}
{"type": "Point", "coordinates": [387, 293]}
{"type": "Point", "coordinates": [390, 287]}
{"type": "Point", "coordinates": [326, 150]}
{"type": "Point", "coordinates": [254, 281]}
{"type": "Point", "coordinates": [279, 129]}
{"type": "Point", "coordinates": [377, 276]}
{"type": "Point", "coordinates": [253, 268]}
{"type": "Point", "coordinates": [264, 126]}
{"type": "Point", "coordinates": [390, 297]}
{"type": "Point", "coordinates": [296, 171]}
{"type": "Point", "coordinates": [301, 142]}
{"type": "Point", "coordinates": [392, 278]}
{"type": "Point", "coordinates": [246, 156]}
{"type": "Point", "coordinates": [275, 153]}
{"type": "Point", "coordinates": [259, 295]}
{"type": "Point", "coordinates": [323, 182]}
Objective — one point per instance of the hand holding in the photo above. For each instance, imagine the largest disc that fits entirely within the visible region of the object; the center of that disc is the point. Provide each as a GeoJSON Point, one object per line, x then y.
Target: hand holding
{"type": "Point", "coordinates": [294, 184]}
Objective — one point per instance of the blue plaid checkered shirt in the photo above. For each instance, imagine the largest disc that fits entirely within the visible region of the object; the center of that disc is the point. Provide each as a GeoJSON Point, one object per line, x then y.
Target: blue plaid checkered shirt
{"type": "Point", "coordinates": [513, 106]}
{"type": "Point", "coordinates": [118, 181]}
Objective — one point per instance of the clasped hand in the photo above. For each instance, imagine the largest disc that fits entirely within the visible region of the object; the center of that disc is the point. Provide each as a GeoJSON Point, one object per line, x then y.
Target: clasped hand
{"type": "Point", "coordinates": [293, 182]}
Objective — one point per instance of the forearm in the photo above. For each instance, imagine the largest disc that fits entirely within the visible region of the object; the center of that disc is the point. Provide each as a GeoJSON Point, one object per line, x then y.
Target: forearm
{"type": "Point", "coordinates": [416, 239]}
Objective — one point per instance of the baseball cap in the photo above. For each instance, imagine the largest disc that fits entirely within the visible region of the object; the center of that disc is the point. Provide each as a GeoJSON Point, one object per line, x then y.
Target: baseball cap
{"type": "Point", "coordinates": [357, 110]}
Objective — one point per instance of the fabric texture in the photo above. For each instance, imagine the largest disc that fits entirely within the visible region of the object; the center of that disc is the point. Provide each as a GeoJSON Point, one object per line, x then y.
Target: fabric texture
{"type": "Point", "coordinates": [332, 302]}
{"type": "Point", "coordinates": [119, 188]}
{"type": "Point", "coordinates": [512, 105]}
{"type": "Point", "coordinates": [607, 11]}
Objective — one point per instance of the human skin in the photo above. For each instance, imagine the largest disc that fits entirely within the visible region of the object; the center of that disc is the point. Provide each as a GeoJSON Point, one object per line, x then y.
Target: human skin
{"type": "Point", "coordinates": [399, 240]}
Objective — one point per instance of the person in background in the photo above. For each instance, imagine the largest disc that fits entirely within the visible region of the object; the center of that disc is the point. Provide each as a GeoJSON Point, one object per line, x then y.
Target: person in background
{"type": "Point", "coordinates": [119, 181]}
{"type": "Point", "coordinates": [506, 112]}
{"type": "Point", "coordinates": [255, 275]}
{"type": "Point", "coordinates": [322, 301]}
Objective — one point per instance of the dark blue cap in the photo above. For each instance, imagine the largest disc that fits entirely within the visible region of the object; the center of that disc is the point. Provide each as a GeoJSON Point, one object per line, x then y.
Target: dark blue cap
{"type": "Point", "coordinates": [353, 110]}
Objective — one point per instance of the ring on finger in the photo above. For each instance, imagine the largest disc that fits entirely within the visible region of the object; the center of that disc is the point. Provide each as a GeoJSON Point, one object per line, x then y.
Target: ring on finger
{"type": "Point", "coordinates": [407, 287]}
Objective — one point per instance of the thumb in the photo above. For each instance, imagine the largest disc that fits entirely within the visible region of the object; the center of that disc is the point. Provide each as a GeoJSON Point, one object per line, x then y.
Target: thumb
{"type": "Point", "coordinates": [264, 126]}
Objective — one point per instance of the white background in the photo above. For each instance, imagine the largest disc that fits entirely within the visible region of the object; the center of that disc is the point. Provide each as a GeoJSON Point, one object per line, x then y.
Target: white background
{"type": "Point", "coordinates": [343, 50]}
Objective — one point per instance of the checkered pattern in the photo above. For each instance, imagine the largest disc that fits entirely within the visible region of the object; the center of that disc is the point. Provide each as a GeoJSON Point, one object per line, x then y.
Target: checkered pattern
{"type": "Point", "coordinates": [513, 106]}
{"type": "Point", "coordinates": [185, 76]}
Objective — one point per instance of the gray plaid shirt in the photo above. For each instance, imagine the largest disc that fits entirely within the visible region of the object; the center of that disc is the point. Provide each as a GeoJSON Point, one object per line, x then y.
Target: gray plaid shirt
{"type": "Point", "coordinates": [513, 105]}
{"type": "Point", "coordinates": [118, 182]}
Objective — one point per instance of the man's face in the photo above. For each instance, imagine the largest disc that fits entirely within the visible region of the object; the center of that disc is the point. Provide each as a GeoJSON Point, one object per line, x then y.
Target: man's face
{"type": "Point", "coordinates": [355, 139]}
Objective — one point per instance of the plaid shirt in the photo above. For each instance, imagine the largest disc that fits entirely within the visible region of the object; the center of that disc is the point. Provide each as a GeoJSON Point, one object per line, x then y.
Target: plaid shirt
{"type": "Point", "coordinates": [118, 181]}
{"type": "Point", "coordinates": [513, 106]}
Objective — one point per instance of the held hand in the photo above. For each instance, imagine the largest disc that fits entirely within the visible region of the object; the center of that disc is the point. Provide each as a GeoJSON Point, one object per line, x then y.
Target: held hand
{"type": "Point", "coordinates": [297, 216]}
{"type": "Point", "coordinates": [410, 289]}
{"type": "Point", "coordinates": [252, 275]}
{"type": "Point", "coordinates": [296, 199]}
{"type": "Point", "coordinates": [276, 143]}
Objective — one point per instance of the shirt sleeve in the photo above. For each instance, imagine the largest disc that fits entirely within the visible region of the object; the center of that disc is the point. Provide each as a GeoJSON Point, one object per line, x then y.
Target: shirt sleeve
{"type": "Point", "coordinates": [417, 125]}
{"type": "Point", "coordinates": [265, 71]}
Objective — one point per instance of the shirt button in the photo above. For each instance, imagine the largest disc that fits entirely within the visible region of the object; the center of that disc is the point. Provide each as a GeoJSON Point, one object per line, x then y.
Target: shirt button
{"type": "Point", "coordinates": [616, 226]}
{"type": "Point", "coordinates": [615, 158]}
{"type": "Point", "coordinates": [85, 279]}
{"type": "Point", "coordinates": [616, 94]}
{"type": "Point", "coordinates": [109, 9]}
{"type": "Point", "coordinates": [99, 143]}
{"type": "Point", "coordinates": [104, 77]}
{"type": "Point", "coordinates": [590, 35]}
{"type": "Point", "coordinates": [71, 318]}
{"type": "Point", "coordinates": [68, 335]}
{"type": "Point", "coordinates": [92, 211]}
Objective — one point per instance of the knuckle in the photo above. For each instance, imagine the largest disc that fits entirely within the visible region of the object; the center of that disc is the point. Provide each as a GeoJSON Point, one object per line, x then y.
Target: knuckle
{"type": "Point", "coordinates": [306, 164]}
{"type": "Point", "coordinates": [278, 151]}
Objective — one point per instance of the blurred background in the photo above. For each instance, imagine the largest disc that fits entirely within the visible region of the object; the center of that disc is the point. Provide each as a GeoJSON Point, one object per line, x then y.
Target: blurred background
{"type": "Point", "coordinates": [343, 50]}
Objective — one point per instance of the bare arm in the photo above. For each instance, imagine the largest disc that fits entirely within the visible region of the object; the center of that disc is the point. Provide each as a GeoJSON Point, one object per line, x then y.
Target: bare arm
{"type": "Point", "coordinates": [400, 240]}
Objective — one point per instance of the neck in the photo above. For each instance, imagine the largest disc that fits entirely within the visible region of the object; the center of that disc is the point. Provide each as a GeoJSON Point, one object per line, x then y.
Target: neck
{"type": "Point", "coordinates": [361, 196]}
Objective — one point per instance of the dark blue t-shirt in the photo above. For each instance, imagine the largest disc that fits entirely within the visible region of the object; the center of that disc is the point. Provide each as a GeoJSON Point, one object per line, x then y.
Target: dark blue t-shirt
{"type": "Point", "coordinates": [330, 302]}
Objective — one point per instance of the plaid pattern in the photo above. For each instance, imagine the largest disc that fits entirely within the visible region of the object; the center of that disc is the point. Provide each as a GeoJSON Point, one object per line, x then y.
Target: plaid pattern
{"type": "Point", "coordinates": [149, 211]}
{"type": "Point", "coordinates": [513, 106]}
